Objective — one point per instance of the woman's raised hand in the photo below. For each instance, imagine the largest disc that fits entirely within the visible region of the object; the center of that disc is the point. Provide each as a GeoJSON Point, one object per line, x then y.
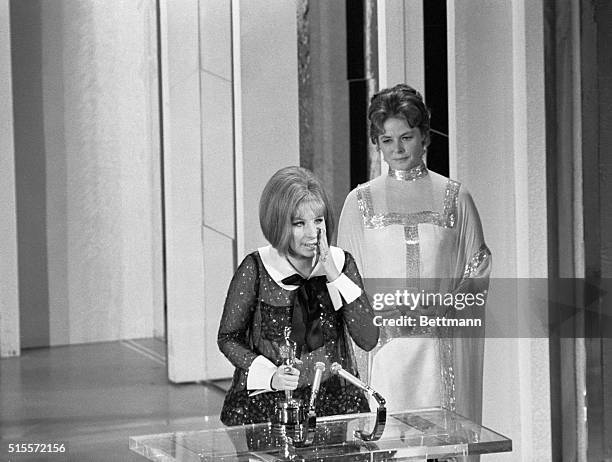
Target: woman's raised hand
{"type": "Point", "coordinates": [325, 256]}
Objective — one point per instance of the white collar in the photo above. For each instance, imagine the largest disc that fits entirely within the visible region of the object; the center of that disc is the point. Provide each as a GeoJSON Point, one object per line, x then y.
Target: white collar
{"type": "Point", "coordinates": [278, 267]}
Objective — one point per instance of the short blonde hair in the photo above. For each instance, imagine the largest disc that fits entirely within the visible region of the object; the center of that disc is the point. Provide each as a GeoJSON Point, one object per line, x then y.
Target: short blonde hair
{"type": "Point", "coordinates": [286, 192]}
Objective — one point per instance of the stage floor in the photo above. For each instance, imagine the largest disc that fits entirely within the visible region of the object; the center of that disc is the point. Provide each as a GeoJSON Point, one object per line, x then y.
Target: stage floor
{"type": "Point", "coordinates": [93, 396]}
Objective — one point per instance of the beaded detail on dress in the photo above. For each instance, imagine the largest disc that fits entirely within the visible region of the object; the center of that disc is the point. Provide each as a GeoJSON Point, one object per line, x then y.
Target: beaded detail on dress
{"type": "Point", "coordinates": [411, 234]}
{"type": "Point", "coordinates": [373, 220]}
{"type": "Point", "coordinates": [447, 370]}
{"type": "Point", "coordinates": [409, 175]}
{"type": "Point", "coordinates": [476, 261]}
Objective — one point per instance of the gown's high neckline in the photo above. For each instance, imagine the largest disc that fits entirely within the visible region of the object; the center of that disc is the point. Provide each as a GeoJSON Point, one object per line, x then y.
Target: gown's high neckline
{"type": "Point", "coordinates": [411, 174]}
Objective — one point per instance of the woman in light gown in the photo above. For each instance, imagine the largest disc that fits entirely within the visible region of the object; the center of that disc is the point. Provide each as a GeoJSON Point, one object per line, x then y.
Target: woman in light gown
{"type": "Point", "coordinates": [414, 229]}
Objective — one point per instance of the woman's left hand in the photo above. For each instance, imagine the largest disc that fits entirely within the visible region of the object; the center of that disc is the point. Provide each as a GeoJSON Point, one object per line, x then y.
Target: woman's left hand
{"type": "Point", "coordinates": [326, 258]}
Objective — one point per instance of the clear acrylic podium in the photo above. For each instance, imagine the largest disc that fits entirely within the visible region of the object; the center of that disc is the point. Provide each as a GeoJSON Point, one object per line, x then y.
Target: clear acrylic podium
{"type": "Point", "coordinates": [410, 436]}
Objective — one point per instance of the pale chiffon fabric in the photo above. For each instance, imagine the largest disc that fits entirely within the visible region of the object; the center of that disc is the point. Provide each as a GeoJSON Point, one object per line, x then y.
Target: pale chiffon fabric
{"type": "Point", "coordinates": [448, 253]}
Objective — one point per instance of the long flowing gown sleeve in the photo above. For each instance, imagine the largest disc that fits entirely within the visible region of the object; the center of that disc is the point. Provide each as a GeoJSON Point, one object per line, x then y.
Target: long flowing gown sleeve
{"type": "Point", "coordinates": [350, 230]}
{"type": "Point", "coordinates": [473, 270]}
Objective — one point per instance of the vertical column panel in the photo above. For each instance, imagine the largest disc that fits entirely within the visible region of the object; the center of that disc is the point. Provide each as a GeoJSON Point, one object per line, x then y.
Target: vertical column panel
{"type": "Point", "coordinates": [496, 133]}
{"type": "Point", "coordinates": [531, 228]}
{"type": "Point", "coordinates": [265, 105]}
{"type": "Point", "coordinates": [217, 172]}
{"type": "Point", "coordinates": [217, 117]}
{"type": "Point", "coordinates": [151, 68]}
{"type": "Point", "coordinates": [414, 49]}
{"type": "Point", "coordinates": [401, 53]}
{"type": "Point", "coordinates": [56, 131]}
{"type": "Point", "coordinates": [9, 294]}
{"type": "Point", "coordinates": [30, 170]}
{"type": "Point", "coordinates": [183, 190]}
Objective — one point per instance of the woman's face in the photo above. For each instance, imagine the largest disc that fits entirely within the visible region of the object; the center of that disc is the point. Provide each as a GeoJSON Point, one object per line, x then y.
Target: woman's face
{"type": "Point", "coordinates": [304, 231]}
{"type": "Point", "coordinates": [401, 145]}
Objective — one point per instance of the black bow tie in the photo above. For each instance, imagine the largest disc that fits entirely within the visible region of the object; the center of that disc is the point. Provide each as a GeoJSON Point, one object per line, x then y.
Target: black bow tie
{"type": "Point", "coordinates": [306, 320]}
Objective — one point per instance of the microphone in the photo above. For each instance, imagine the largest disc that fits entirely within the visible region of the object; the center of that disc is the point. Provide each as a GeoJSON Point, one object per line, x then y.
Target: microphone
{"type": "Point", "coordinates": [316, 383]}
{"type": "Point", "coordinates": [337, 369]}
{"type": "Point", "coordinates": [381, 411]}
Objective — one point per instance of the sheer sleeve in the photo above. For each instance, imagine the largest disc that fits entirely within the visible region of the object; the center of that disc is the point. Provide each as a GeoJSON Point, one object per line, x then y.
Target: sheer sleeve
{"type": "Point", "coordinates": [472, 273]}
{"type": "Point", "coordinates": [474, 263]}
{"type": "Point", "coordinates": [350, 229]}
{"type": "Point", "coordinates": [235, 328]}
{"type": "Point", "coordinates": [358, 315]}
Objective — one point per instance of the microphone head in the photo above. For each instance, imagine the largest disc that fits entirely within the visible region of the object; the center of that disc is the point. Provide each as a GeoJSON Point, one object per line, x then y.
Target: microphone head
{"type": "Point", "coordinates": [335, 368]}
{"type": "Point", "coordinates": [319, 366]}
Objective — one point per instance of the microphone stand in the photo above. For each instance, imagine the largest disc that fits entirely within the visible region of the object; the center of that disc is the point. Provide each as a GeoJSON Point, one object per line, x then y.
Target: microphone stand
{"type": "Point", "coordinates": [381, 419]}
{"type": "Point", "coordinates": [381, 411]}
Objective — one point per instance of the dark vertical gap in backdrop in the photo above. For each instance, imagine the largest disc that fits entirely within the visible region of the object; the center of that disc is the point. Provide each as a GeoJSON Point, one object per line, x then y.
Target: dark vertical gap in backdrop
{"type": "Point", "coordinates": [436, 86]}
{"type": "Point", "coordinates": [161, 162]}
{"type": "Point", "coordinates": [554, 341]}
{"type": "Point", "coordinates": [436, 82]}
{"type": "Point", "coordinates": [358, 90]}
{"type": "Point", "coordinates": [305, 91]}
